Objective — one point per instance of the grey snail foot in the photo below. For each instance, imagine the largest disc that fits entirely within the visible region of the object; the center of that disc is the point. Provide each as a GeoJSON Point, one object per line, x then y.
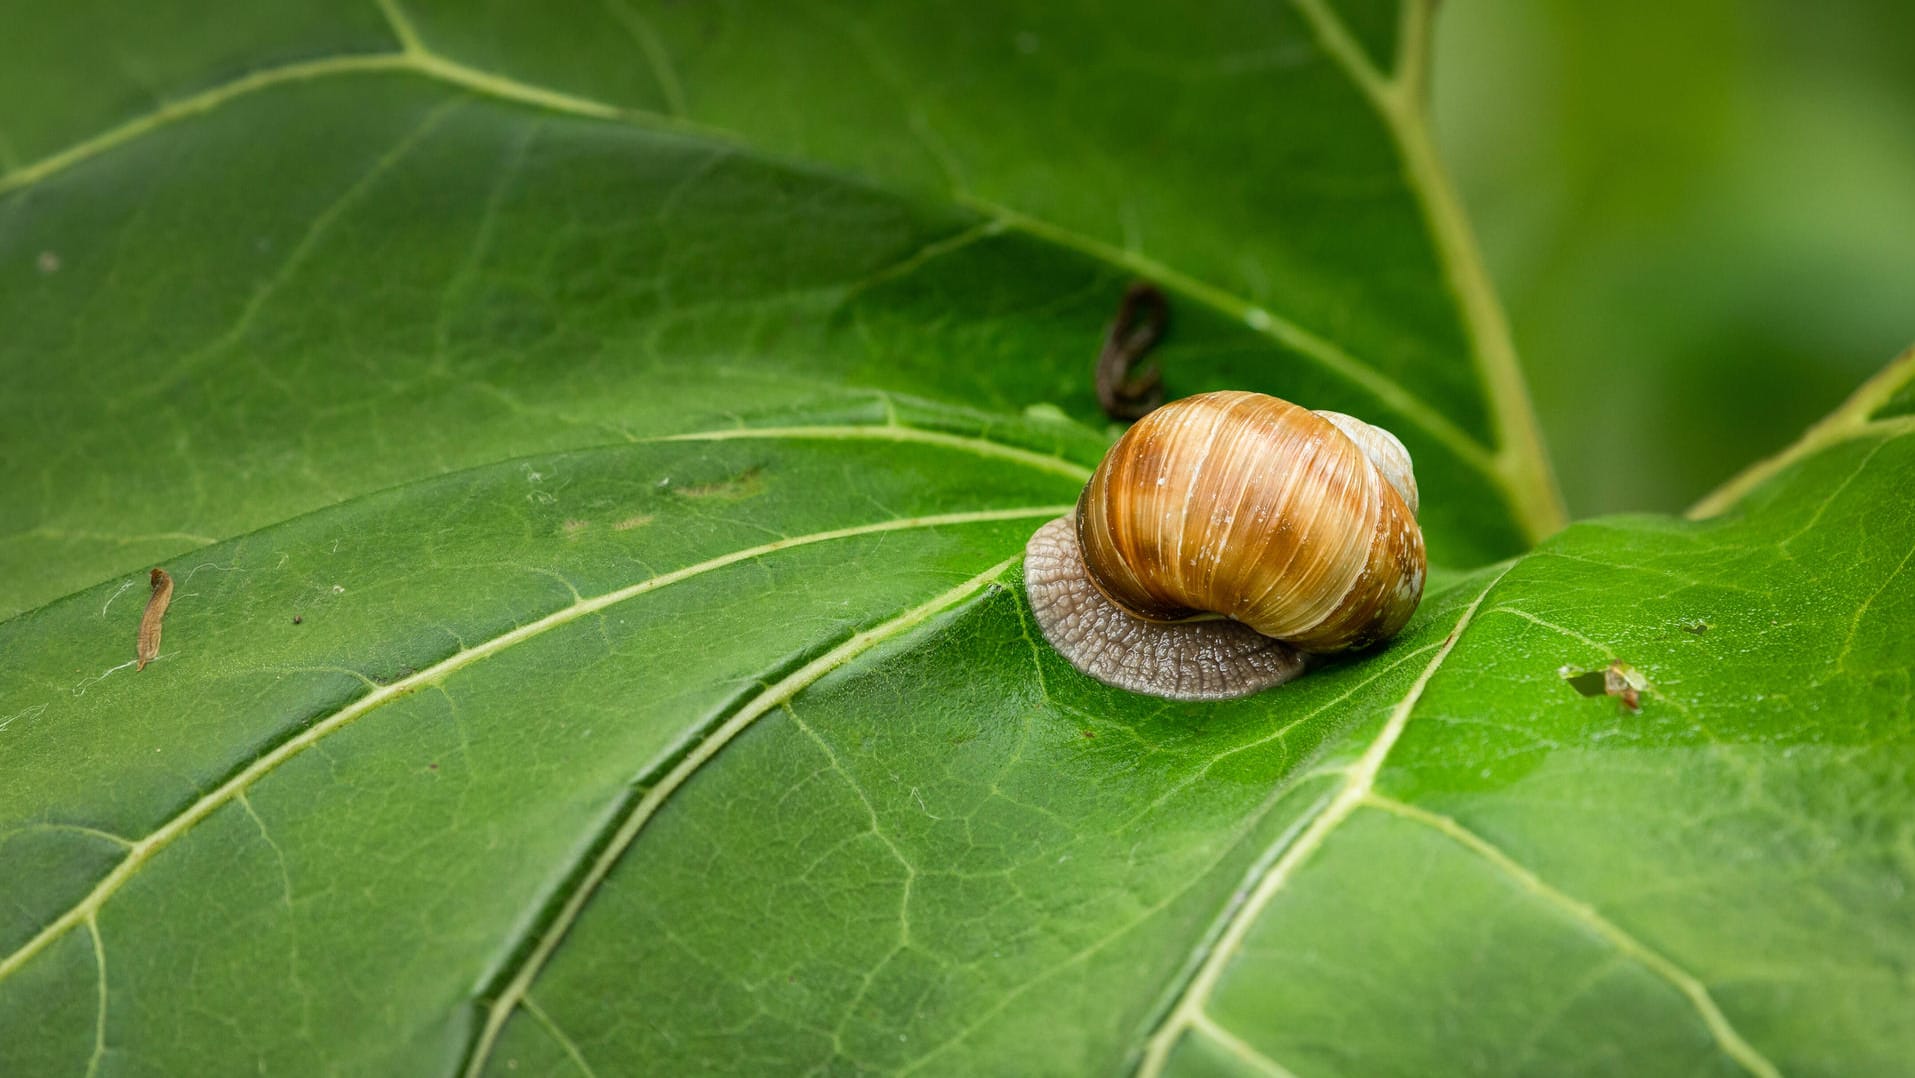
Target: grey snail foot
{"type": "Point", "coordinates": [1191, 660]}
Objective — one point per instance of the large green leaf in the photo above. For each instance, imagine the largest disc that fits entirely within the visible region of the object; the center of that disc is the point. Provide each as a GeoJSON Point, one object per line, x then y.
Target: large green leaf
{"type": "Point", "coordinates": [621, 665]}
{"type": "Point", "coordinates": [296, 283]}
{"type": "Point", "coordinates": [652, 758]}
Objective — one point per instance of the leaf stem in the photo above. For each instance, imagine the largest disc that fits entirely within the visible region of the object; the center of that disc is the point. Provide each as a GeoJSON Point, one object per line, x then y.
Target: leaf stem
{"type": "Point", "coordinates": [1852, 419]}
{"type": "Point", "coordinates": [1520, 460]}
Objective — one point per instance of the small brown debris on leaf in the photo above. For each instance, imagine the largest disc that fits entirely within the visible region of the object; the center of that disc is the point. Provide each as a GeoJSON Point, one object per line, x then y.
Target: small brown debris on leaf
{"type": "Point", "coordinates": [1124, 389]}
{"type": "Point", "coordinates": [1621, 681]}
{"type": "Point", "coordinates": [1618, 679]}
{"type": "Point", "coordinates": [743, 485]}
{"type": "Point", "coordinates": [148, 648]}
{"type": "Point", "coordinates": [299, 619]}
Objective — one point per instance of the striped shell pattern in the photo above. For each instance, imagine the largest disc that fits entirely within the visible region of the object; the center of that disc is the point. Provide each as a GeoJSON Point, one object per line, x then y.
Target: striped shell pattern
{"type": "Point", "coordinates": [1236, 507]}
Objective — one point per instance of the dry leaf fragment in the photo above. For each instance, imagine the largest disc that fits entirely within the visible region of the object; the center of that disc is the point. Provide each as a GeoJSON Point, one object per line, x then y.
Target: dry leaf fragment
{"type": "Point", "coordinates": [149, 643]}
{"type": "Point", "coordinates": [1618, 679]}
{"type": "Point", "coordinates": [1621, 681]}
{"type": "Point", "coordinates": [1126, 389]}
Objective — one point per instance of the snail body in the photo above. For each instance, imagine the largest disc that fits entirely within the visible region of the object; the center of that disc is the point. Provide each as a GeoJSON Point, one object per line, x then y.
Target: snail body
{"type": "Point", "coordinates": [1223, 538]}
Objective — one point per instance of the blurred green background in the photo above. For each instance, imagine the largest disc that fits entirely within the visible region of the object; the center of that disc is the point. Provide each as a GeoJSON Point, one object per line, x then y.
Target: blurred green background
{"type": "Point", "coordinates": [1700, 216]}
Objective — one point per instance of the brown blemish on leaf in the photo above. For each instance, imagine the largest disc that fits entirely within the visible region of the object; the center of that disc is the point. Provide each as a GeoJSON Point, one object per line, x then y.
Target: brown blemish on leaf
{"type": "Point", "coordinates": [1618, 679]}
{"type": "Point", "coordinates": [387, 679]}
{"type": "Point", "coordinates": [148, 646]}
{"type": "Point", "coordinates": [1621, 681]}
{"type": "Point", "coordinates": [743, 485]}
{"type": "Point", "coordinates": [629, 523]}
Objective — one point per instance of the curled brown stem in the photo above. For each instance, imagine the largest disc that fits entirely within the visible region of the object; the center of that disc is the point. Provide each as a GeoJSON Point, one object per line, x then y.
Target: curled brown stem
{"type": "Point", "coordinates": [1125, 391]}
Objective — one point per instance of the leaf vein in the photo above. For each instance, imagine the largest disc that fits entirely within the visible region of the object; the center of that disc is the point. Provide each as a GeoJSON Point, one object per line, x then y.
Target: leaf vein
{"type": "Point", "coordinates": [642, 812]}
{"type": "Point", "coordinates": [1725, 1034]}
{"type": "Point", "coordinates": [983, 447]}
{"type": "Point", "coordinates": [1238, 1047]}
{"type": "Point", "coordinates": [481, 247]}
{"type": "Point", "coordinates": [1520, 463]}
{"type": "Point", "coordinates": [1276, 796]}
{"type": "Point", "coordinates": [1286, 333]}
{"type": "Point", "coordinates": [1853, 419]}
{"type": "Point", "coordinates": [1356, 786]}
{"type": "Point", "coordinates": [565, 1039]}
{"type": "Point", "coordinates": [657, 58]}
{"type": "Point", "coordinates": [1505, 468]}
{"type": "Point", "coordinates": [401, 26]}
{"type": "Point", "coordinates": [313, 735]}
{"type": "Point", "coordinates": [99, 1025]}
{"type": "Point", "coordinates": [296, 256]}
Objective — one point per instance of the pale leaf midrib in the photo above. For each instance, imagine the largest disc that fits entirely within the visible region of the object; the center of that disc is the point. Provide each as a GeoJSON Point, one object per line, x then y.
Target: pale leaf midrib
{"type": "Point", "coordinates": [890, 432]}
{"type": "Point", "coordinates": [1521, 463]}
{"type": "Point", "coordinates": [1357, 783]}
{"type": "Point", "coordinates": [1335, 360]}
{"type": "Point", "coordinates": [1276, 798]}
{"type": "Point", "coordinates": [1357, 792]}
{"type": "Point", "coordinates": [183, 821]}
{"type": "Point", "coordinates": [1288, 785]}
{"type": "Point", "coordinates": [563, 1038]}
{"type": "Point", "coordinates": [1688, 984]}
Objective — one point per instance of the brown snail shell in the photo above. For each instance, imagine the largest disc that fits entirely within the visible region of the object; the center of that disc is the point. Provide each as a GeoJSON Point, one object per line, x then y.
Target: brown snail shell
{"type": "Point", "coordinates": [1224, 536]}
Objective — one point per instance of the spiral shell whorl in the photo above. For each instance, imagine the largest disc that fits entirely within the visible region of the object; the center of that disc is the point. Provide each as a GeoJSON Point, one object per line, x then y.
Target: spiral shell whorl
{"type": "Point", "coordinates": [1383, 449]}
{"type": "Point", "coordinates": [1253, 508]}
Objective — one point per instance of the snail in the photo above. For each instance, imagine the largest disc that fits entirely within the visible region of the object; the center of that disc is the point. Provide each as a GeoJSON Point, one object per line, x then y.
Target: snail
{"type": "Point", "coordinates": [1224, 539]}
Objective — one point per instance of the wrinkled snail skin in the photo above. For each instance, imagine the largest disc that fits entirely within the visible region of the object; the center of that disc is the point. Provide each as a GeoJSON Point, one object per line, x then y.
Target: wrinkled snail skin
{"type": "Point", "coordinates": [1286, 531]}
{"type": "Point", "coordinates": [1183, 660]}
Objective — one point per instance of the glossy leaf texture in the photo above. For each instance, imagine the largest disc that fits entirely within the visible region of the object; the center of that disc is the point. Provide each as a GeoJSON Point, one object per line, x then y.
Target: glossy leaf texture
{"type": "Point", "coordinates": [620, 428]}
{"type": "Point", "coordinates": [351, 248]}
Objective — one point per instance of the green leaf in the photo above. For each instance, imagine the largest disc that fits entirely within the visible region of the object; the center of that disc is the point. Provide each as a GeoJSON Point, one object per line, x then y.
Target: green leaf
{"type": "Point", "coordinates": [615, 657]}
{"type": "Point", "coordinates": [399, 264]}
